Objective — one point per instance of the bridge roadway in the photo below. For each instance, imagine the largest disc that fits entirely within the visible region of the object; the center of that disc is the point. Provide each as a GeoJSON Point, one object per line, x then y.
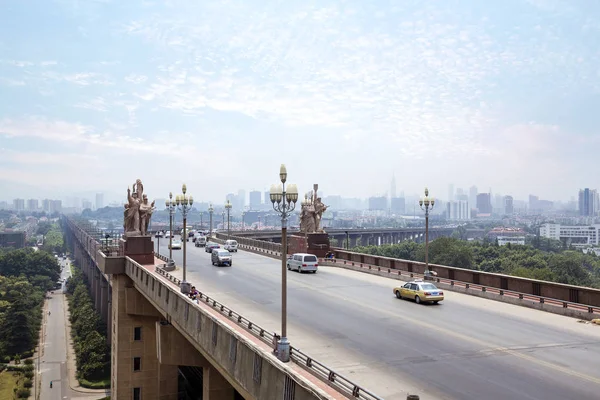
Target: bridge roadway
{"type": "Point", "coordinates": [466, 348]}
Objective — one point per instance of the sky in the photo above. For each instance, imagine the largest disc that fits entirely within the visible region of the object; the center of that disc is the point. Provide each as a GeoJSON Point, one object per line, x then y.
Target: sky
{"type": "Point", "coordinates": [217, 94]}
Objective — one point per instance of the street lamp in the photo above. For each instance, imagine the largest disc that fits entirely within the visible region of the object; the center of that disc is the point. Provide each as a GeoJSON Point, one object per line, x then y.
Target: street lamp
{"type": "Point", "coordinates": [223, 215]}
{"type": "Point", "coordinates": [228, 208]}
{"type": "Point", "coordinates": [210, 213]}
{"type": "Point", "coordinates": [184, 203]}
{"type": "Point", "coordinates": [284, 203]}
{"type": "Point", "coordinates": [201, 215]}
{"type": "Point", "coordinates": [243, 217]}
{"type": "Point", "coordinates": [427, 204]}
{"type": "Point", "coordinates": [172, 207]}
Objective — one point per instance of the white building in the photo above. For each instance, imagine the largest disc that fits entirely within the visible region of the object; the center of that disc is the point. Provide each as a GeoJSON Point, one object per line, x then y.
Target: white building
{"type": "Point", "coordinates": [504, 240]}
{"type": "Point", "coordinates": [578, 236]}
{"type": "Point", "coordinates": [458, 210]}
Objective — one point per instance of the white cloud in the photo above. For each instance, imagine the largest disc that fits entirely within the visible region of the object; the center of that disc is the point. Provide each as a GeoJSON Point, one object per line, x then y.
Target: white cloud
{"type": "Point", "coordinates": [135, 78]}
{"type": "Point", "coordinates": [97, 104]}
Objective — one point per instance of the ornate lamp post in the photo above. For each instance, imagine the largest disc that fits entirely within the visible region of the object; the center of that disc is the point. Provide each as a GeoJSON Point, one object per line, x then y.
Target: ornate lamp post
{"type": "Point", "coordinates": [172, 207]}
{"type": "Point", "coordinates": [243, 217]}
{"type": "Point", "coordinates": [284, 203]}
{"type": "Point", "coordinates": [184, 203]}
{"type": "Point", "coordinates": [427, 204]}
{"type": "Point", "coordinates": [210, 213]}
{"type": "Point", "coordinates": [228, 208]}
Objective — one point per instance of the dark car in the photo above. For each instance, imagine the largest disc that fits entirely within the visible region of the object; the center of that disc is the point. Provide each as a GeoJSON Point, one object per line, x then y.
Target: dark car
{"type": "Point", "coordinates": [210, 246]}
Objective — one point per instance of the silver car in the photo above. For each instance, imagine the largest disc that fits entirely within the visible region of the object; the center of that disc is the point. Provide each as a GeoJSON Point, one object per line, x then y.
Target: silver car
{"type": "Point", "coordinates": [221, 257]}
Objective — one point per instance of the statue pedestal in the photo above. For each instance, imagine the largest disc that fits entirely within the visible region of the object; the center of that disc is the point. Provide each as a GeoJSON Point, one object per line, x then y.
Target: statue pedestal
{"type": "Point", "coordinates": [313, 243]}
{"type": "Point", "coordinates": [139, 248]}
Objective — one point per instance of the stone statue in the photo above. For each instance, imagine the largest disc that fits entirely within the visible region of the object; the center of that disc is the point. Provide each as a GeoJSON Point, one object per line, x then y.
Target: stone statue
{"type": "Point", "coordinates": [146, 211]}
{"type": "Point", "coordinates": [320, 208]}
{"type": "Point", "coordinates": [311, 213]}
{"type": "Point", "coordinates": [137, 212]}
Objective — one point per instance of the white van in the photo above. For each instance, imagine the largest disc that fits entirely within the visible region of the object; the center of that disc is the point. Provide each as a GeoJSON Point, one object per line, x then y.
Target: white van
{"type": "Point", "coordinates": [231, 245]}
{"type": "Point", "coordinates": [303, 262]}
{"type": "Point", "coordinates": [200, 241]}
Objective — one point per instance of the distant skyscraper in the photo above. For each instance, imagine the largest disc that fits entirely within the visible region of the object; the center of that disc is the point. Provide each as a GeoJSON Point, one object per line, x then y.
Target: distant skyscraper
{"type": "Point", "coordinates": [86, 204]}
{"type": "Point", "coordinates": [458, 210]}
{"type": "Point", "coordinates": [267, 197]}
{"type": "Point", "coordinates": [393, 187]}
{"type": "Point", "coordinates": [473, 195]}
{"type": "Point", "coordinates": [398, 206]}
{"type": "Point", "coordinates": [484, 203]}
{"type": "Point", "coordinates": [588, 202]}
{"type": "Point", "coordinates": [255, 200]}
{"type": "Point", "coordinates": [19, 204]}
{"type": "Point", "coordinates": [241, 199]}
{"type": "Point", "coordinates": [508, 205]}
{"type": "Point", "coordinates": [32, 204]}
{"type": "Point", "coordinates": [450, 192]}
{"type": "Point", "coordinates": [534, 206]}
{"type": "Point", "coordinates": [377, 203]}
{"type": "Point", "coordinates": [99, 200]}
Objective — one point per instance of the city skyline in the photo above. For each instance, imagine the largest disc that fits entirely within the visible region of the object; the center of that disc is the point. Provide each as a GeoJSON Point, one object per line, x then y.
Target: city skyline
{"type": "Point", "coordinates": [171, 93]}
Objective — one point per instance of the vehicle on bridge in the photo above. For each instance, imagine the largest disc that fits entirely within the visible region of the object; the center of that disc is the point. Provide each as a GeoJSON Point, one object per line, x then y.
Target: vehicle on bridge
{"type": "Point", "coordinates": [419, 291]}
{"type": "Point", "coordinates": [200, 241]}
{"type": "Point", "coordinates": [158, 234]}
{"type": "Point", "coordinates": [231, 245]}
{"type": "Point", "coordinates": [175, 245]}
{"type": "Point", "coordinates": [168, 234]}
{"type": "Point", "coordinates": [210, 246]}
{"type": "Point", "coordinates": [303, 262]}
{"type": "Point", "coordinates": [221, 257]}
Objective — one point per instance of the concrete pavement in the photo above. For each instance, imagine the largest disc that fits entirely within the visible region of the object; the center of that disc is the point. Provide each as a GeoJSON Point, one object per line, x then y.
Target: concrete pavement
{"type": "Point", "coordinates": [465, 348]}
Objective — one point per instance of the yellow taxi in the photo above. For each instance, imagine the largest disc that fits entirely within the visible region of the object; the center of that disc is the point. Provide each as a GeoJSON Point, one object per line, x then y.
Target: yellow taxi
{"type": "Point", "coordinates": [419, 291]}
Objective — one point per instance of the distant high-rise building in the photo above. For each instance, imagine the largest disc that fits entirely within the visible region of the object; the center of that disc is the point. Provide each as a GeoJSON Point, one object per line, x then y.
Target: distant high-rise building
{"type": "Point", "coordinates": [255, 200]}
{"type": "Point", "coordinates": [19, 204]}
{"type": "Point", "coordinates": [55, 206]}
{"type": "Point", "coordinates": [3, 205]}
{"type": "Point", "coordinates": [377, 203]}
{"type": "Point", "coordinates": [100, 200]}
{"type": "Point", "coordinates": [46, 205]}
{"type": "Point", "coordinates": [86, 204]}
{"type": "Point", "coordinates": [589, 203]}
{"type": "Point", "coordinates": [508, 205]}
{"type": "Point", "coordinates": [32, 204]}
{"type": "Point", "coordinates": [534, 204]}
{"type": "Point", "coordinates": [458, 210]}
{"type": "Point", "coordinates": [450, 192]}
{"type": "Point", "coordinates": [241, 199]}
{"type": "Point", "coordinates": [484, 203]}
{"type": "Point", "coordinates": [473, 195]}
{"type": "Point", "coordinates": [393, 187]}
{"type": "Point", "coordinates": [398, 206]}
{"type": "Point", "coordinates": [267, 197]}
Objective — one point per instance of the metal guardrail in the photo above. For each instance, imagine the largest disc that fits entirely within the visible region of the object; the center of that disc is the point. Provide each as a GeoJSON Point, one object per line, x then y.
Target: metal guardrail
{"type": "Point", "coordinates": [338, 381]}
{"type": "Point", "coordinates": [471, 286]}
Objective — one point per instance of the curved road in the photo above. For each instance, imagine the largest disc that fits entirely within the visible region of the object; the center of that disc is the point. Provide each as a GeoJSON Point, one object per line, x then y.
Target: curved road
{"type": "Point", "coordinates": [465, 348]}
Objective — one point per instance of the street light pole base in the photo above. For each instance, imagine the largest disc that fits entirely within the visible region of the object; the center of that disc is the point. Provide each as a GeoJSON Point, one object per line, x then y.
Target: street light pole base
{"type": "Point", "coordinates": [170, 265]}
{"type": "Point", "coordinates": [283, 349]}
{"type": "Point", "coordinates": [186, 287]}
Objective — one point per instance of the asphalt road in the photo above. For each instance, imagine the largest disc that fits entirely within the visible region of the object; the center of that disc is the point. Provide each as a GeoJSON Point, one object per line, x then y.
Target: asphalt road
{"type": "Point", "coordinates": [464, 348]}
{"type": "Point", "coordinates": [53, 364]}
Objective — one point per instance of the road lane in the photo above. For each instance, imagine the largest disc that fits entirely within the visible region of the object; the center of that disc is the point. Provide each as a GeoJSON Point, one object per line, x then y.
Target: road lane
{"type": "Point", "coordinates": [466, 348]}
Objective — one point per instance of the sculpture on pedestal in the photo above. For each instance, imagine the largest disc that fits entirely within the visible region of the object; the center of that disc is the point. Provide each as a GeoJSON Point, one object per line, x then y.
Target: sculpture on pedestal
{"type": "Point", "coordinates": [137, 213]}
{"type": "Point", "coordinates": [311, 213]}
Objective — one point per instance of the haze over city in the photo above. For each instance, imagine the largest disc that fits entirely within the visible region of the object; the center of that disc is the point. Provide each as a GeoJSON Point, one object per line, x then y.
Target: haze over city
{"type": "Point", "coordinates": [96, 94]}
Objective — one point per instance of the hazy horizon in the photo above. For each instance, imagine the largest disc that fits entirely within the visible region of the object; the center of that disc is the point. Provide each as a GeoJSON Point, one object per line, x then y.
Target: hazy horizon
{"type": "Point", "coordinates": [99, 93]}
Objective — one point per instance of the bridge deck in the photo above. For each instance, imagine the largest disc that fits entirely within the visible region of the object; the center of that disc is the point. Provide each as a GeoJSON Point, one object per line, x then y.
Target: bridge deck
{"type": "Point", "coordinates": [466, 348]}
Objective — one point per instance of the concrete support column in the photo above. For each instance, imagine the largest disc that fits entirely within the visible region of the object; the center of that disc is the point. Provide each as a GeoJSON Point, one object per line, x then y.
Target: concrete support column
{"type": "Point", "coordinates": [353, 241]}
{"type": "Point", "coordinates": [131, 311]}
{"type": "Point", "coordinates": [103, 299]}
{"type": "Point", "coordinates": [215, 386]}
{"type": "Point", "coordinates": [97, 289]}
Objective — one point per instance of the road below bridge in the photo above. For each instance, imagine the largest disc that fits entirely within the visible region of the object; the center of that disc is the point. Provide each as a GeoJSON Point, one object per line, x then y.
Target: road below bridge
{"type": "Point", "coordinates": [465, 348]}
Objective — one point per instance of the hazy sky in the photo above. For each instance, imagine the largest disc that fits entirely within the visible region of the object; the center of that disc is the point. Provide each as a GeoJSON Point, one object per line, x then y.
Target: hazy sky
{"type": "Point", "coordinates": [500, 94]}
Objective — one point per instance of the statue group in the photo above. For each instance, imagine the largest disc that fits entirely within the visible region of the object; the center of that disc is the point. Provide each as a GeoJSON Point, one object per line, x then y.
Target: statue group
{"type": "Point", "coordinates": [137, 214]}
{"type": "Point", "coordinates": [311, 213]}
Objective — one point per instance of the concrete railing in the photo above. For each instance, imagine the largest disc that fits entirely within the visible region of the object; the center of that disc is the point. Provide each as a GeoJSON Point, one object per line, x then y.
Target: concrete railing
{"type": "Point", "coordinates": [336, 380]}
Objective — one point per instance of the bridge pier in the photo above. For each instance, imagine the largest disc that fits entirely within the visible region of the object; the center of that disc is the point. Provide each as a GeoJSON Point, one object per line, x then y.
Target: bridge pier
{"type": "Point", "coordinates": [135, 365]}
{"type": "Point", "coordinates": [215, 386]}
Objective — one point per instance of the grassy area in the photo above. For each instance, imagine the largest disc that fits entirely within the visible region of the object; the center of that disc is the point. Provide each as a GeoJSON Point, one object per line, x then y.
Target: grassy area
{"type": "Point", "coordinates": [103, 384]}
{"type": "Point", "coordinates": [8, 383]}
